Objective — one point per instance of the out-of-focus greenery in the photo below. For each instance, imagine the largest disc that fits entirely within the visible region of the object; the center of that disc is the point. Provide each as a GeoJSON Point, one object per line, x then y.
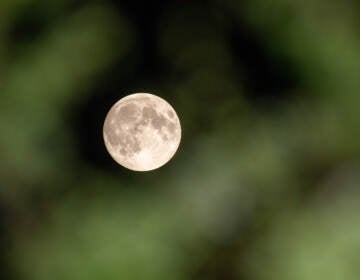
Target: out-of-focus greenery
{"type": "Point", "coordinates": [259, 189]}
{"type": "Point", "coordinates": [316, 241]}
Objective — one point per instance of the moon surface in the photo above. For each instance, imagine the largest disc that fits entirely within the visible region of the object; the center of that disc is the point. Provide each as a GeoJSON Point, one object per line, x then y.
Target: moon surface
{"type": "Point", "coordinates": [142, 132]}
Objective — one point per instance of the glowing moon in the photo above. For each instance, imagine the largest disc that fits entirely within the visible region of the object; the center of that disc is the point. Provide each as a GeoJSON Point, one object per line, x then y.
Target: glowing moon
{"type": "Point", "coordinates": [142, 132]}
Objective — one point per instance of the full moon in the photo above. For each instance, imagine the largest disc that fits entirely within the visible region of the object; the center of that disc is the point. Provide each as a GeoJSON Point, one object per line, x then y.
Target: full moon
{"type": "Point", "coordinates": [142, 132]}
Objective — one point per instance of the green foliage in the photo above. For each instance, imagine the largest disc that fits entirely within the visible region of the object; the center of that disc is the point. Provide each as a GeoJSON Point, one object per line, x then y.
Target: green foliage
{"type": "Point", "coordinates": [311, 243]}
{"type": "Point", "coordinates": [247, 194]}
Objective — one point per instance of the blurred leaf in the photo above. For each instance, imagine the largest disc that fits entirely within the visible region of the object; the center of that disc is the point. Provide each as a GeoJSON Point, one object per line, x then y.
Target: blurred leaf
{"type": "Point", "coordinates": [41, 85]}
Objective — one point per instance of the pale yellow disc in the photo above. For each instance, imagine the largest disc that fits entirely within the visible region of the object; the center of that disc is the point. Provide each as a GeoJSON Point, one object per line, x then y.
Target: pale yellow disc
{"type": "Point", "coordinates": [142, 132]}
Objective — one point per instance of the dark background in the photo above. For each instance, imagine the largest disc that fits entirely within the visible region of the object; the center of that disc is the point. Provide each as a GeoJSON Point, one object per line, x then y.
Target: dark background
{"type": "Point", "coordinates": [265, 184]}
